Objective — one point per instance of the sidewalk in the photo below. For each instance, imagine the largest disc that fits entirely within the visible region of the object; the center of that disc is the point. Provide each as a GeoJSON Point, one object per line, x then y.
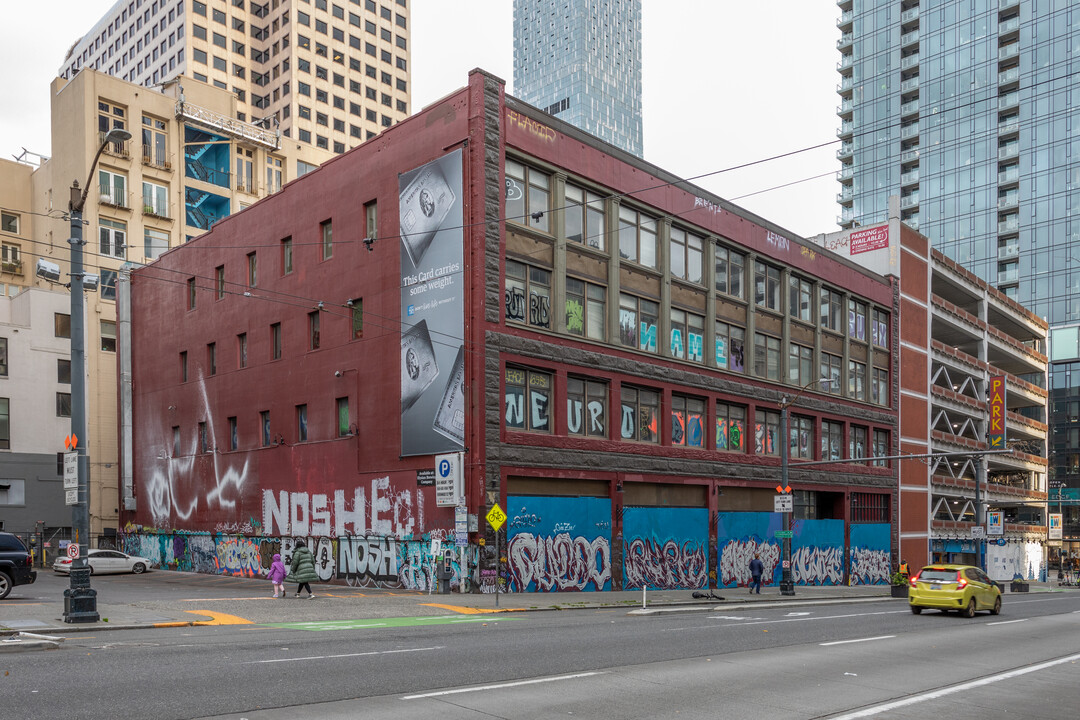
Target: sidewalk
{"type": "Point", "coordinates": [182, 599]}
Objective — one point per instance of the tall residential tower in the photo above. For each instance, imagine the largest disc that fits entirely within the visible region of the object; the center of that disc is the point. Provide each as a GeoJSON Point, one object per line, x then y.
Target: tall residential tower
{"type": "Point", "coordinates": [329, 74]}
{"type": "Point", "coordinates": [967, 111]}
{"type": "Point", "coordinates": [581, 61]}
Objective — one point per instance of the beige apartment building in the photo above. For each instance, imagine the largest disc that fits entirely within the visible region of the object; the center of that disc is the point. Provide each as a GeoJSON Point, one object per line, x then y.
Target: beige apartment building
{"type": "Point", "coordinates": [328, 73]}
{"type": "Point", "coordinates": [191, 161]}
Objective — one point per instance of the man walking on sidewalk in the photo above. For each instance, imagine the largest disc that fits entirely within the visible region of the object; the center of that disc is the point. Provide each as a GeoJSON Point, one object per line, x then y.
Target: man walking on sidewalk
{"type": "Point", "coordinates": [757, 568]}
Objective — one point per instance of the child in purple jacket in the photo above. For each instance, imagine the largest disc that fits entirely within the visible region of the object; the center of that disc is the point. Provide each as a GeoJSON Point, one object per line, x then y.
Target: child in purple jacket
{"type": "Point", "coordinates": [277, 576]}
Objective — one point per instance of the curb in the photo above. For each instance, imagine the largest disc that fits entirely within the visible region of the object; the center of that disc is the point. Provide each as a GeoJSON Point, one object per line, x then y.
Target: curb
{"type": "Point", "coordinates": [763, 604]}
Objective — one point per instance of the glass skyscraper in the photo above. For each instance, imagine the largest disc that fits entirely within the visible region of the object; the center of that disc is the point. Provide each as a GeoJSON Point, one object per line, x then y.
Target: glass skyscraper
{"type": "Point", "coordinates": [581, 61]}
{"type": "Point", "coordinates": [969, 110]}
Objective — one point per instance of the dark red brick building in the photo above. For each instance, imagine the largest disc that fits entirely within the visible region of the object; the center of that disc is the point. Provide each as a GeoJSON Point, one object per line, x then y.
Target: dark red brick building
{"type": "Point", "coordinates": [483, 292]}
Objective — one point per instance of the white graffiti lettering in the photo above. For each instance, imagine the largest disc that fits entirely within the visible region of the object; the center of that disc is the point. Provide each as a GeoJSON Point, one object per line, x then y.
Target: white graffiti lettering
{"type": "Point", "coordinates": [818, 565]}
{"type": "Point", "coordinates": [869, 567]}
{"type": "Point", "coordinates": [735, 560]}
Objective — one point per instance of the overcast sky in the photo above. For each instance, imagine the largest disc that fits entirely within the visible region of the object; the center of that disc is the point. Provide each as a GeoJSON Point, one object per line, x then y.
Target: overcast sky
{"type": "Point", "coordinates": [725, 83]}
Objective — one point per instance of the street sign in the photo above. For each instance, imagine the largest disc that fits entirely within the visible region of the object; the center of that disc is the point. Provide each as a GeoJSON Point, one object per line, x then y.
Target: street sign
{"type": "Point", "coordinates": [71, 497]}
{"type": "Point", "coordinates": [783, 503]}
{"type": "Point", "coordinates": [436, 547]}
{"type": "Point", "coordinates": [461, 525]}
{"type": "Point", "coordinates": [496, 517]}
{"type": "Point", "coordinates": [73, 551]}
{"type": "Point", "coordinates": [448, 485]}
{"type": "Point", "coordinates": [784, 534]}
{"type": "Point", "coordinates": [1054, 530]}
{"type": "Point", "coordinates": [978, 531]}
{"type": "Point", "coordinates": [71, 470]}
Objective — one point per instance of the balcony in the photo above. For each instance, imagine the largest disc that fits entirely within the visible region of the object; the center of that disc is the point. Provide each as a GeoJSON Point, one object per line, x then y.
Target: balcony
{"type": "Point", "coordinates": [1006, 4]}
{"type": "Point", "coordinates": [114, 197]}
{"type": "Point", "coordinates": [1007, 26]}
{"type": "Point", "coordinates": [846, 173]}
{"type": "Point", "coordinates": [909, 108]}
{"type": "Point", "coordinates": [909, 38]}
{"type": "Point", "coordinates": [910, 178]}
{"type": "Point", "coordinates": [909, 131]}
{"type": "Point", "coordinates": [1006, 277]}
{"type": "Point", "coordinates": [909, 201]}
{"type": "Point", "coordinates": [845, 107]}
{"type": "Point", "coordinates": [13, 267]}
{"type": "Point", "coordinates": [1008, 125]}
{"type": "Point", "coordinates": [909, 61]}
{"type": "Point", "coordinates": [909, 15]}
{"type": "Point", "coordinates": [846, 63]}
{"type": "Point", "coordinates": [1007, 52]}
{"type": "Point", "coordinates": [845, 18]}
{"type": "Point", "coordinates": [1005, 152]}
{"type": "Point", "coordinates": [116, 149]}
{"type": "Point", "coordinates": [845, 196]}
{"type": "Point", "coordinates": [225, 124]}
{"type": "Point", "coordinates": [1008, 176]}
{"type": "Point", "coordinates": [156, 209]}
{"type": "Point", "coordinates": [1010, 224]}
{"type": "Point", "coordinates": [156, 160]}
{"type": "Point", "coordinates": [845, 151]}
{"type": "Point", "coordinates": [846, 129]}
{"type": "Point", "coordinates": [909, 156]}
{"type": "Point", "coordinates": [1009, 201]}
{"type": "Point", "coordinates": [844, 43]}
{"type": "Point", "coordinates": [910, 84]}
{"type": "Point", "coordinates": [1009, 100]}
{"type": "Point", "coordinates": [910, 219]}
{"type": "Point", "coordinates": [1009, 76]}
{"type": "Point", "coordinates": [1008, 252]}
{"type": "Point", "coordinates": [846, 85]}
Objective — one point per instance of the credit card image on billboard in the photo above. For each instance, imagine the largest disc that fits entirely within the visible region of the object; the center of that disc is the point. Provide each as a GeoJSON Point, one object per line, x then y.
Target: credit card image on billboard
{"type": "Point", "coordinates": [418, 366]}
{"type": "Point", "coordinates": [450, 418]}
{"type": "Point", "coordinates": [423, 205]}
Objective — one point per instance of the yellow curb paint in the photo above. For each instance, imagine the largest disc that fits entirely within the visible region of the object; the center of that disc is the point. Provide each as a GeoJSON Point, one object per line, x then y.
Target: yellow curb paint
{"type": "Point", "coordinates": [218, 618]}
{"type": "Point", "coordinates": [184, 623]}
{"type": "Point", "coordinates": [472, 611]}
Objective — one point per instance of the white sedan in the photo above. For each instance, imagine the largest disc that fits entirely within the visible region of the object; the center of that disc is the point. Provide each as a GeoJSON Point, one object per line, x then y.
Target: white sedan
{"type": "Point", "coordinates": [107, 561]}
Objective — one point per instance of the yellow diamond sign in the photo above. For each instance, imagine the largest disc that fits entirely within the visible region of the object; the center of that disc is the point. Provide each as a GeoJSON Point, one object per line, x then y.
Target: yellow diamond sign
{"type": "Point", "coordinates": [496, 517]}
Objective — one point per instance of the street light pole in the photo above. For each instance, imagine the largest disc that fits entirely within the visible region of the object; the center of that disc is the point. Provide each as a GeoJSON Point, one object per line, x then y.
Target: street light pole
{"type": "Point", "coordinates": [80, 600]}
{"type": "Point", "coordinates": [787, 583]}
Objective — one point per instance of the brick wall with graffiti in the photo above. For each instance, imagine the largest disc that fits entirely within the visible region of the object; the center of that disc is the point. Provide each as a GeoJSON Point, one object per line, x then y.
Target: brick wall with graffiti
{"type": "Point", "coordinates": [370, 562]}
{"type": "Point", "coordinates": [817, 550]}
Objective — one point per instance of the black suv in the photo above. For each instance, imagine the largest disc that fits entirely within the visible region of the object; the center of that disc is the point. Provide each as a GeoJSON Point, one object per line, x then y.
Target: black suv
{"type": "Point", "coordinates": [15, 564]}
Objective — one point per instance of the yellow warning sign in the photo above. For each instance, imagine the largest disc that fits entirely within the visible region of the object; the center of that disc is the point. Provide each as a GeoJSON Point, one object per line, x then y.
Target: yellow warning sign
{"type": "Point", "coordinates": [496, 517]}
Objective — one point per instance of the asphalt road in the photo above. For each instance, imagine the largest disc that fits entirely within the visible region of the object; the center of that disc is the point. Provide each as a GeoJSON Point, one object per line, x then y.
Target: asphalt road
{"type": "Point", "coordinates": [795, 662]}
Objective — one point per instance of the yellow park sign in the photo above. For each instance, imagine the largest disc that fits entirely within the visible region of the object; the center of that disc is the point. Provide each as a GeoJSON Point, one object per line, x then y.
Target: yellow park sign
{"type": "Point", "coordinates": [496, 517]}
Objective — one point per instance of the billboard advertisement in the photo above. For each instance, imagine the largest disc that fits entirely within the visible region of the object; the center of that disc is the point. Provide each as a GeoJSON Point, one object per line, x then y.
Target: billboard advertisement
{"type": "Point", "coordinates": [1054, 531]}
{"type": "Point", "coordinates": [432, 307]}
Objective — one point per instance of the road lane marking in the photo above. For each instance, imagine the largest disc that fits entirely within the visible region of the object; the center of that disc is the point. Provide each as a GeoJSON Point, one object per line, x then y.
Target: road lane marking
{"type": "Point", "coordinates": [471, 611]}
{"type": "Point", "coordinates": [366, 623]}
{"type": "Point", "coordinates": [1006, 622]}
{"type": "Point", "coordinates": [500, 686]}
{"type": "Point", "coordinates": [934, 695]}
{"type": "Point", "coordinates": [844, 642]}
{"type": "Point", "coordinates": [346, 655]}
{"type": "Point", "coordinates": [759, 621]}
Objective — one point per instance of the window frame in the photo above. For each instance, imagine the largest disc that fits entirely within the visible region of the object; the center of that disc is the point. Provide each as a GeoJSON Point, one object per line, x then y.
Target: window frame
{"type": "Point", "coordinates": [767, 286]}
{"type": "Point", "coordinates": [591, 395]}
{"type": "Point", "coordinates": [630, 309]}
{"type": "Point", "coordinates": [636, 403]}
{"type": "Point", "coordinates": [689, 406]}
{"type": "Point", "coordinates": [635, 228]}
{"type": "Point", "coordinates": [729, 268]}
{"type": "Point", "coordinates": [767, 432]}
{"type": "Point", "coordinates": [592, 308]}
{"type": "Point", "coordinates": [587, 209]}
{"type": "Point", "coordinates": [536, 391]}
{"type": "Point", "coordinates": [689, 248]}
{"type": "Point", "coordinates": [533, 191]}
{"type": "Point", "coordinates": [534, 296]}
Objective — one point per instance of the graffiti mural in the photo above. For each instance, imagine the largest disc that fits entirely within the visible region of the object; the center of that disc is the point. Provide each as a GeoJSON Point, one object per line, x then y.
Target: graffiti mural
{"type": "Point", "coordinates": [556, 543]}
{"type": "Point", "coordinates": [817, 549]}
{"type": "Point", "coordinates": [665, 548]}
{"type": "Point", "coordinates": [817, 552]}
{"type": "Point", "coordinates": [378, 510]}
{"type": "Point", "coordinates": [238, 556]}
{"type": "Point", "coordinates": [869, 562]}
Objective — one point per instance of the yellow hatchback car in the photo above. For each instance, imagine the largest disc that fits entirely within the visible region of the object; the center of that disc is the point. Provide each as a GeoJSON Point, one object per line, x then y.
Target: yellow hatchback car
{"type": "Point", "coordinates": [963, 588]}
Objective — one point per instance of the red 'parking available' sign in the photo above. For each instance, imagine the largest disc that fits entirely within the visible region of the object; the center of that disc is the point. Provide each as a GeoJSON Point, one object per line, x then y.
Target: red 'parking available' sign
{"type": "Point", "coordinates": [874, 238]}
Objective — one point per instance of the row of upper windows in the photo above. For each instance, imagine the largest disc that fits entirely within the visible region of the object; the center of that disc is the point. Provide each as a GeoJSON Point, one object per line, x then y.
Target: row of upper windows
{"type": "Point", "coordinates": [528, 300]}
{"type": "Point", "coordinates": [276, 341]}
{"type": "Point", "coordinates": [340, 423]}
{"type": "Point", "coordinates": [529, 399]}
{"type": "Point", "coordinates": [529, 201]}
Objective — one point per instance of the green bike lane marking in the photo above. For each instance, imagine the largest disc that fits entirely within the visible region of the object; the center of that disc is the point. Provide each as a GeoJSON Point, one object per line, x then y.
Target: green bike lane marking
{"type": "Point", "coordinates": [364, 624]}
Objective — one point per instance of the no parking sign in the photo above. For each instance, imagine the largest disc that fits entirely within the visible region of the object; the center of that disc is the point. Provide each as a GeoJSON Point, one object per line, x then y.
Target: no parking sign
{"type": "Point", "coordinates": [73, 551]}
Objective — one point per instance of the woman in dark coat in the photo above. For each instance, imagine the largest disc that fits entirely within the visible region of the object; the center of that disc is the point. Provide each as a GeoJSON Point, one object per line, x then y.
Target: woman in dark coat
{"type": "Point", "coordinates": [302, 568]}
